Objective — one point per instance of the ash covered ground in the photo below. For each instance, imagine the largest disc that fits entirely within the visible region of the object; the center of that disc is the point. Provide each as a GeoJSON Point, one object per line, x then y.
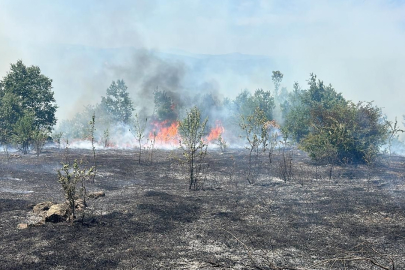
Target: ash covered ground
{"type": "Point", "coordinates": [150, 220]}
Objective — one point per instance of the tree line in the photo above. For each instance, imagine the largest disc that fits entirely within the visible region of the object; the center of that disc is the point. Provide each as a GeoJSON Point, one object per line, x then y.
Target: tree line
{"type": "Point", "coordinates": [318, 119]}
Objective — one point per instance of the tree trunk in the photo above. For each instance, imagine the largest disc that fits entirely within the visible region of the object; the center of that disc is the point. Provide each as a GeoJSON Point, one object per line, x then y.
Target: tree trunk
{"type": "Point", "coordinates": [192, 180]}
{"type": "Point", "coordinates": [250, 166]}
{"type": "Point", "coordinates": [140, 152]}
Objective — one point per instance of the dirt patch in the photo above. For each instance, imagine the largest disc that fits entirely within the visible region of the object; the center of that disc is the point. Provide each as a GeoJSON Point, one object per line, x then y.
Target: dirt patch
{"type": "Point", "coordinates": [148, 219]}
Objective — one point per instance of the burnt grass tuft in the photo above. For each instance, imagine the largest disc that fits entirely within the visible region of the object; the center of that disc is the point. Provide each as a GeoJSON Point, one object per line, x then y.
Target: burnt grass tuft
{"type": "Point", "coordinates": [150, 220]}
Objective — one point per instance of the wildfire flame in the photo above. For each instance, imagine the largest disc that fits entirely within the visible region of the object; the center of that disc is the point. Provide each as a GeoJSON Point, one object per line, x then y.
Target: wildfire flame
{"type": "Point", "coordinates": [216, 132]}
{"type": "Point", "coordinates": [165, 133]}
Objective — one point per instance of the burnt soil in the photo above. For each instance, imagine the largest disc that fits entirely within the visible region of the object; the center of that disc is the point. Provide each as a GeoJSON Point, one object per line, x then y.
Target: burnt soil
{"type": "Point", "coordinates": [149, 219]}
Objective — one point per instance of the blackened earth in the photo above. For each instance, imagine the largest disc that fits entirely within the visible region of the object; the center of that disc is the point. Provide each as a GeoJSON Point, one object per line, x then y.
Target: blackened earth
{"type": "Point", "coordinates": [150, 220]}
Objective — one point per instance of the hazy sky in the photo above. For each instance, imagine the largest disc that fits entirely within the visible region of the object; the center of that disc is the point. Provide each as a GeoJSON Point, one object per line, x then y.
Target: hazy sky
{"type": "Point", "coordinates": [357, 46]}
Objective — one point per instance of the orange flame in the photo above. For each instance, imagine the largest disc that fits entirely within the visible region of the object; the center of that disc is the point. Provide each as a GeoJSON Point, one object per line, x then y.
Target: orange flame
{"type": "Point", "coordinates": [166, 133]}
{"type": "Point", "coordinates": [216, 132]}
{"type": "Point", "coordinates": [163, 133]}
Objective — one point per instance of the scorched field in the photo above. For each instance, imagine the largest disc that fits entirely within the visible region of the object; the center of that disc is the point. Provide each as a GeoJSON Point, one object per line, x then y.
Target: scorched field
{"type": "Point", "coordinates": [350, 217]}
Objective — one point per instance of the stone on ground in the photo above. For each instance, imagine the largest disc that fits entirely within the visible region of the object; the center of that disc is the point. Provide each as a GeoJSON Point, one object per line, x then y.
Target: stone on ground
{"type": "Point", "coordinates": [57, 213]}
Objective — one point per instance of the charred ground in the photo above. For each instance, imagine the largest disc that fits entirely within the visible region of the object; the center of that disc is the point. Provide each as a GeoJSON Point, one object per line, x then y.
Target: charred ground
{"type": "Point", "coordinates": [150, 220]}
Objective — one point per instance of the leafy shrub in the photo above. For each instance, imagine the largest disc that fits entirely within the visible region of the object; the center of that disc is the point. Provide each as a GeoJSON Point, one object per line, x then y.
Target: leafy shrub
{"type": "Point", "coordinates": [333, 129]}
{"type": "Point", "coordinates": [72, 179]}
{"type": "Point", "coordinates": [256, 134]}
{"type": "Point", "coordinates": [192, 129]}
{"type": "Point", "coordinates": [246, 104]}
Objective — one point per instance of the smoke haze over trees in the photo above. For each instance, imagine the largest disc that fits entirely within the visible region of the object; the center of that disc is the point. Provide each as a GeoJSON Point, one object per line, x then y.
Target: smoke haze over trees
{"type": "Point", "coordinates": [321, 120]}
{"type": "Point", "coordinates": [83, 46]}
{"type": "Point", "coordinates": [209, 62]}
{"type": "Point", "coordinates": [283, 115]}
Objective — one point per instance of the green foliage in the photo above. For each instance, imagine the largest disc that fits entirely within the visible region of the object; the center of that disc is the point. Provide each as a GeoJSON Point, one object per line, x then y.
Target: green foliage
{"type": "Point", "coordinates": [191, 130]}
{"type": "Point", "coordinates": [246, 104]}
{"type": "Point", "coordinates": [71, 177]}
{"type": "Point", "coordinates": [243, 103]}
{"type": "Point", "coordinates": [277, 77]}
{"type": "Point", "coordinates": [306, 107]}
{"type": "Point", "coordinates": [332, 129]}
{"type": "Point", "coordinates": [254, 126]}
{"type": "Point", "coordinates": [165, 108]}
{"type": "Point", "coordinates": [265, 102]}
{"type": "Point", "coordinates": [117, 102]}
{"type": "Point", "coordinates": [270, 137]}
{"type": "Point", "coordinates": [57, 137]}
{"type": "Point", "coordinates": [25, 89]}
{"type": "Point", "coordinates": [292, 100]}
{"type": "Point", "coordinates": [10, 113]}
{"type": "Point", "coordinates": [27, 106]}
{"type": "Point", "coordinates": [139, 133]}
{"type": "Point", "coordinates": [282, 96]}
{"type": "Point", "coordinates": [39, 138]}
{"type": "Point", "coordinates": [23, 131]}
{"type": "Point", "coordinates": [256, 134]}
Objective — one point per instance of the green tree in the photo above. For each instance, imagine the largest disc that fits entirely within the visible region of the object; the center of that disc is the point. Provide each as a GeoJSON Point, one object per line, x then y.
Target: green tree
{"type": "Point", "coordinates": [23, 132]}
{"type": "Point", "coordinates": [245, 104]}
{"type": "Point", "coordinates": [117, 102]}
{"type": "Point", "coordinates": [191, 130]}
{"type": "Point", "coordinates": [277, 77]}
{"type": "Point", "coordinates": [347, 134]}
{"type": "Point", "coordinates": [72, 179]}
{"type": "Point", "coordinates": [30, 91]}
{"type": "Point", "coordinates": [57, 138]}
{"type": "Point", "coordinates": [164, 106]}
{"type": "Point", "coordinates": [293, 100]}
{"type": "Point", "coordinates": [306, 107]}
{"type": "Point", "coordinates": [10, 112]}
{"type": "Point", "coordinates": [256, 134]}
{"type": "Point", "coordinates": [265, 102]}
{"type": "Point", "coordinates": [333, 129]}
{"type": "Point", "coordinates": [27, 105]}
{"type": "Point", "coordinates": [39, 138]}
{"type": "Point", "coordinates": [139, 132]}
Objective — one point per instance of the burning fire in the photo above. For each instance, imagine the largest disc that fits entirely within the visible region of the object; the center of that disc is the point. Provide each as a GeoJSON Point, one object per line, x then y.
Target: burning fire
{"type": "Point", "coordinates": [165, 133]}
{"type": "Point", "coordinates": [216, 132]}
